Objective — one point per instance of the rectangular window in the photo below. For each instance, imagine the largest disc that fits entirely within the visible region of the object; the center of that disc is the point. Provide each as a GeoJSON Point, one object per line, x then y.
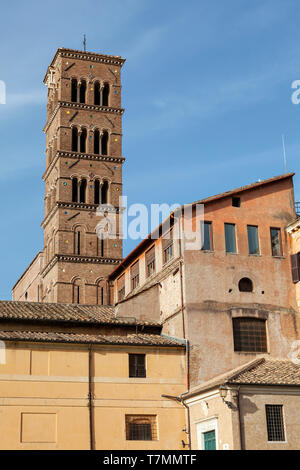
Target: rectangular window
{"type": "Point", "coordinates": [276, 243]}
{"type": "Point", "coordinates": [137, 365]}
{"type": "Point", "coordinates": [141, 428]}
{"type": "Point", "coordinates": [150, 262]}
{"type": "Point", "coordinates": [295, 265]}
{"type": "Point", "coordinates": [207, 237]}
{"type": "Point", "coordinates": [135, 275]}
{"type": "Point", "coordinates": [253, 239]}
{"type": "Point", "coordinates": [230, 238]}
{"type": "Point", "coordinates": [249, 335]}
{"type": "Point", "coordinates": [275, 424]}
{"type": "Point", "coordinates": [167, 244]}
{"type": "Point", "coordinates": [121, 287]}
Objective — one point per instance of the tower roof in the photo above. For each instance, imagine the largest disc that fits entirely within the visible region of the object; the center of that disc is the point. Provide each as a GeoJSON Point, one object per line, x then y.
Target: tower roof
{"type": "Point", "coordinates": [84, 55]}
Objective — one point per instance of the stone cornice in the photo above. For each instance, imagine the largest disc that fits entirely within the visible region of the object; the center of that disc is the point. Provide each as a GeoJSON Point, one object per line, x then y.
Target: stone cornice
{"type": "Point", "coordinates": [82, 106]}
{"type": "Point", "coordinates": [83, 55]}
{"type": "Point", "coordinates": [83, 156]}
{"type": "Point", "coordinates": [78, 259]}
{"type": "Point", "coordinates": [74, 205]}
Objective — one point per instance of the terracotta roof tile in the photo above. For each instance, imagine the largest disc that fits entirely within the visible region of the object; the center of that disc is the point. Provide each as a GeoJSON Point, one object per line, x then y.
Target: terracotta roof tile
{"type": "Point", "coordinates": [56, 337]}
{"type": "Point", "coordinates": [36, 311]}
{"type": "Point", "coordinates": [269, 372]}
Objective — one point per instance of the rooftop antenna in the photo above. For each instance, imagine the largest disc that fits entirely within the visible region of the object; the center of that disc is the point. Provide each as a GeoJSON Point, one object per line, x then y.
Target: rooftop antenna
{"type": "Point", "coordinates": [284, 153]}
{"type": "Point", "coordinates": [84, 43]}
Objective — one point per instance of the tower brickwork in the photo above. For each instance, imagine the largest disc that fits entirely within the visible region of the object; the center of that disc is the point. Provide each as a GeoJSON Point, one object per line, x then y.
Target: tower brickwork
{"type": "Point", "coordinates": [83, 170]}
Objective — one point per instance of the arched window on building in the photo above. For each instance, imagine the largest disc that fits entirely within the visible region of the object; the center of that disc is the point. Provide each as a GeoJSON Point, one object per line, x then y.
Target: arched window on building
{"type": "Point", "coordinates": [74, 90]}
{"type": "Point", "coordinates": [83, 140]}
{"type": "Point", "coordinates": [105, 95]}
{"type": "Point", "coordinates": [77, 292]}
{"type": "Point", "coordinates": [104, 192]}
{"type": "Point", "coordinates": [245, 285]}
{"type": "Point", "coordinates": [79, 239]}
{"type": "Point", "coordinates": [74, 190]}
{"type": "Point", "coordinates": [104, 143]}
{"type": "Point", "coordinates": [100, 292]}
{"type": "Point", "coordinates": [82, 91]}
{"type": "Point", "coordinates": [96, 192]}
{"type": "Point", "coordinates": [97, 94]}
{"type": "Point", "coordinates": [74, 139]}
{"type": "Point", "coordinates": [82, 191]}
{"type": "Point", "coordinates": [97, 142]}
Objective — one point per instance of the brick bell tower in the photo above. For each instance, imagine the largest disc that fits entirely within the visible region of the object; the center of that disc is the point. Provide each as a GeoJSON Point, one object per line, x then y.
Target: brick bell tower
{"type": "Point", "coordinates": [83, 169]}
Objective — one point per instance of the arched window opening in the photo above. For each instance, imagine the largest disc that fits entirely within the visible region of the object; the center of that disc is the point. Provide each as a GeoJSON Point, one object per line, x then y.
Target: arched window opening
{"type": "Point", "coordinates": [82, 191]}
{"type": "Point", "coordinates": [74, 190]}
{"type": "Point", "coordinates": [83, 140]}
{"type": "Point", "coordinates": [26, 295]}
{"type": "Point", "coordinates": [245, 285]}
{"type": "Point", "coordinates": [104, 143]}
{"type": "Point", "coordinates": [74, 90]}
{"type": "Point", "coordinates": [105, 95]}
{"type": "Point", "coordinates": [96, 192]}
{"type": "Point", "coordinates": [74, 139]}
{"type": "Point", "coordinates": [82, 91]}
{"type": "Point", "coordinates": [100, 293]}
{"type": "Point", "coordinates": [97, 94]}
{"type": "Point", "coordinates": [77, 292]}
{"type": "Point", "coordinates": [97, 142]}
{"type": "Point", "coordinates": [104, 193]}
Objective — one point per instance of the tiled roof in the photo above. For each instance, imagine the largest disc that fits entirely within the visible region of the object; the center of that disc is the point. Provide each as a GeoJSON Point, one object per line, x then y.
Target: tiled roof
{"type": "Point", "coordinates": [36, 311]}
{"type": "Point", "coordinates": [268, 372]}
{"type": "Point", "coordinates": [56, 337]}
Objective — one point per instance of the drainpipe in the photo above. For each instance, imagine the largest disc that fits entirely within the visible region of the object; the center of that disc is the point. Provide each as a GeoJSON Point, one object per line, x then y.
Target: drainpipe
{"type": "Point", "coordinates": [242, 446]}
{"type": "Point", "coordinates": [181, 400]}
{"type": "Point", "coordinates": [90, 400]}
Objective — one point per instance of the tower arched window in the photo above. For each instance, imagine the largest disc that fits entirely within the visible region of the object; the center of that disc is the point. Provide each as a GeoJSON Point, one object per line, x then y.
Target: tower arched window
{"type": "Point", "coordinates": [104, 192]}
{"type": "Point", "coordinates": [245, 285]}
{"type": "Point", "coordinates": [77, 292]}
{"type": "Point", "coordinates": [74, 90]}
{"type": "Point", "coordinates": [97, 94]}
{"type": "Point", "coordinates": [74, 139]}
{"type": "Point", "coordinates": [83, 140]}
{"type": "Point", "coordinates": [104, 143]}
{"type": "Point", "coordinates": [105, 95]}
{"type": "Point", "coordinates": [82, 91]}
{"type": "Point", "coordinates": [100, 293]}
{"type": "Point", "coordinates": [97, 142]}
{"type": "Point", "coordinates": [74, 190]}
{"type": "Point", "coordinates": [79, 240]}
{"type": "Point", "coordinates": [82, 190]}
{"type": "Point", "coordinates": [96, 192]}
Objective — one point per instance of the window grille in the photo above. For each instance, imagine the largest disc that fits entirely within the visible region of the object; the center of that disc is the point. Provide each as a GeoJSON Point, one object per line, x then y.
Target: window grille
{"type": "Point", "coordinates": [249, 335]}
{"type": "Point", "coordinates": [275, 424]}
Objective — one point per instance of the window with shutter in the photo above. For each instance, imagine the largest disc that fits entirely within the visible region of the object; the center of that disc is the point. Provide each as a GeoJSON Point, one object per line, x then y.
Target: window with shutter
{"type": "Point", "coordinates": [137, 365]}
{"type": "Point", "coordinates": [134, 271]}
{"type": "Point", "coordinates": [121, 287]}
{"type": "Point", "coordinates": [295, 264]}
{"type": "Point", "coordinates": [150, 261]}
{"type": "Point", "coordinates": [167, 245]}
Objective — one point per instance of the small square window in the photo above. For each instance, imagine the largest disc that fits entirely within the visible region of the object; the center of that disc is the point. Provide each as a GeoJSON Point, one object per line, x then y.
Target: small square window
{"type": "Point", "coordinates": [236, 202]}
{"type": "Point", "coordinates": [137, 365]}
{"type": "Point", "coordinates": [141, 428]}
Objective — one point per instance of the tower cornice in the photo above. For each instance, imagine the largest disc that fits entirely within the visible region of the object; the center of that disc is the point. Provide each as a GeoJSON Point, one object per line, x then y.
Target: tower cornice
{"type": "Point", "coordinates": [82, 106]}
{"type": "Point", "coordinates": [78, 259]}
{"type": "Point", "coordinates": [81, 156]}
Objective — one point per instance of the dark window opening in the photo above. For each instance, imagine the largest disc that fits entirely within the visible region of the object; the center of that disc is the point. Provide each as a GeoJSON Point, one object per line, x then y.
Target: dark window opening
{"type": "Point", "coordinates": [74, 190]}
{"type": "Point", "coordinates": [207, 237]}
{"type": "Point", "coordinates": [74, 90]}
{"type": "Point", "coordinates": [249, 335]}
{"type": "Point", "coordinates": [275, 424]}
{"type": "Point", "coordinates": [230, 238]}
{"type": "Point", "coordinates": [83, 140]}
{"type": "Point", "coordinates": [76, 294]}
{"type": "Point", "coordinates": [104, 192]}
{"type": "Point", "coordinates": [150, 262]}
{"type": "Point", "coordinates": [74, 139]}
{"type": "Point", "coordinates": [105, 95]}
{"type": "Point", "coordinates": [141, 428]}
{"type": "Point", "coordinates": [82, 191]}
{"type": "Point", "coordinates": [96, 142]}
{"type": "Point", "coordinates": [253, 239]}
{"type": "Point", "coordinates": [135, 275]}
{"type": "Point", "coordinates": [276, 243]}
{"type": "Point", "coordinates": [96, 192]}
{"type": "Point", "coordinates": [104, 143]}
{"type": "Point", "coordinates": [78, 243]}
{"type": "Point", "coordinates": [245, 285]}
{"type": "Point", "coordinates": [26, 295]}
{"type": "Point", "coordinates": [295, 264]}
{"type": "Point", "coordinates": [82, 91]}
{"type": "Point", "coordinates": [236, 202]}
{"type": "Point", "coordinates": [137, 365]}
{"type": "Point", "coordinates": [97, 94]}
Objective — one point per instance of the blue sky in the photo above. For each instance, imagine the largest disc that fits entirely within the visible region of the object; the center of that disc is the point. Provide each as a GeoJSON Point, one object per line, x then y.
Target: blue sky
{"type": "Point", "coordinates": [206, 87]}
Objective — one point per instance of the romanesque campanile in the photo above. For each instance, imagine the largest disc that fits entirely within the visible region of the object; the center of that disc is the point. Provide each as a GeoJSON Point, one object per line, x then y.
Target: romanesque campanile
{"type": "Point", "coordinates": [83, 170]}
